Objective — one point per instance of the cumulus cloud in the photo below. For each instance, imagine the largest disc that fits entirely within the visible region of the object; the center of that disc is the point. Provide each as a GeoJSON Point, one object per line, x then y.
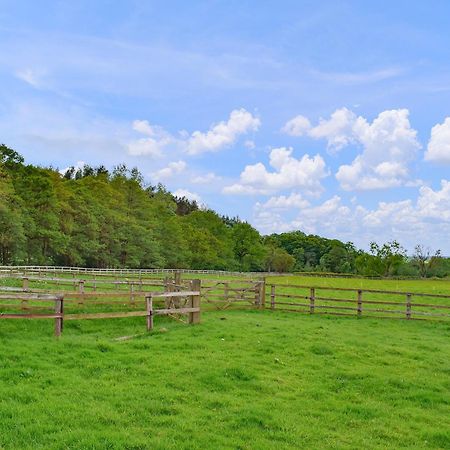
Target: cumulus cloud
{"type": "Point", "coordinates": [223, 134]}
{"type": "Point", "coordinates": [290, 172]}
{"type": "Point", "coordinates": [219, 136]}
{"type": "Point", "coordinates": [154, 144]}
{"type": "Point", "coordinates": [337, 130]}
{"type": "Point", "coordinates": [188, 194]}
{"type": "Point", "coordinates": [79, 165]}
{"type": "Point", "coordinates": [172, 169]}
{"type": "Point", "coordinates": [298, 126]}
{"type": "Point", "coordinates": [425, 220]}
{"type": "Point", "coordinates": [438, 149]}
{"type": "Point", "coordinates": [283, 202]}
{"type": "Point", "coordinates": [389, 145]}
{"type": "Point", "coordinates": [205, 179]}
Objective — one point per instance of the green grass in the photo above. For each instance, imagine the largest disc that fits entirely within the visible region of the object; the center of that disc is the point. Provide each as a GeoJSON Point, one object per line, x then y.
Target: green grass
{"type": "Point", "coordinates": [434, 286]}
{"type": "Point", "coordinates": [398, 309]}
{"type": "Point", "coordinates": [239, 380]}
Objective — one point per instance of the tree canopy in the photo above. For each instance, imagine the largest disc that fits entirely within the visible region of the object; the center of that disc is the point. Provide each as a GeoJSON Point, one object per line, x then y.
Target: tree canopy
{"type": "Point", "coordinates": [97, 217]}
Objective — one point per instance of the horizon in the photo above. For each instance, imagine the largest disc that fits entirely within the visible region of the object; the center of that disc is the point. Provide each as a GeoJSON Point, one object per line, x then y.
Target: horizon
{"type": "Point", "coordinates": [344, 134]}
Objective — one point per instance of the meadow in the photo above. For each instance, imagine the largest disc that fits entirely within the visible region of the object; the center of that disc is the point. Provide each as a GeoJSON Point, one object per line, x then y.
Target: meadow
{"type": "Point", "coordinates": [240, 380]}
{"type": "Point", "coordinates": [432, 286]}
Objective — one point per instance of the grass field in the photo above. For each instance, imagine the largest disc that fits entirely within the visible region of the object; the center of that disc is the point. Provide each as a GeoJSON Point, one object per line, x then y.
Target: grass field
{"type": "Point", "coordinates": [434, 286]}
{"type": "Point", "coordinates": [240, 380]}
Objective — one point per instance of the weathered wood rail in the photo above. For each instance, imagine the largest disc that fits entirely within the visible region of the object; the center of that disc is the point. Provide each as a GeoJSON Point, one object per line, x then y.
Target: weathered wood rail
{"type": "Point", "coordinates": [364, 302]}
{"type": "Point", "coordinates": [93, 294]}
{"type": "Point", "coordinates": [15, 305]}
{"type": "Point", "coordinates": [33, 306]}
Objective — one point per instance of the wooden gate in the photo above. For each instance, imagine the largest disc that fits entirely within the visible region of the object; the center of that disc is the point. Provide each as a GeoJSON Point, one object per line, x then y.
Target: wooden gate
{"type": "Point", "coordinates": [223, 294]}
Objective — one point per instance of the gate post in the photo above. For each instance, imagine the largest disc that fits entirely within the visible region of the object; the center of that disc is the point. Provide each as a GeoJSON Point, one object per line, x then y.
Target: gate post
{"type": "Point", "coordinates": [312, 299]}
{"type": "Point", "coordinates": [59, 310]}
{"type": "Point", "coordinates": [408, 306]}
{"type": "Point", "coordinates": [262, 292]}
{"type": "Point", "coordinates": [194, 317]}
{"type": "Point", "coordinates": [359, 302]}
{"type": "Point", "coordinates": [177, 281]}
{"type": "Point", "coordinates": [149, 304]}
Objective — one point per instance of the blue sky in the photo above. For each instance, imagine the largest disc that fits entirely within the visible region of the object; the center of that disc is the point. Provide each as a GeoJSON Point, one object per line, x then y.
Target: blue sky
{"type": "Point", "coordinates": [332, 117]}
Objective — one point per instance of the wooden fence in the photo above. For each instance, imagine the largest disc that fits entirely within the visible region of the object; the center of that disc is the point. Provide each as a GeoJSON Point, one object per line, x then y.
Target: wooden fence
{"type": "Point", "coordinates": [96, 294]}
{"type": "Point", "coordinates": [31, 269]}
{"type": "Point", "coordinates": [33, 306]}
{"type": "Point", "coordinates": [30, 307]}
{"type": "Point", "coordinates": [363, 302]}
{"type": "Point", "coordinates": [223, 294]}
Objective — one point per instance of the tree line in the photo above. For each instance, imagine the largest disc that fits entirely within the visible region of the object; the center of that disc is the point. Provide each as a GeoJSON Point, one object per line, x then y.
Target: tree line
{"type": "Point", "coordinates": [95, 217]}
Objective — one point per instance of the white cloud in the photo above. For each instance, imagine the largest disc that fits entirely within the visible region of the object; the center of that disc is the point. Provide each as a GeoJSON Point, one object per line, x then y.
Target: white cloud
{"type": "Point", "coordinates": [298, 126]}
{"type": "Point", "coordinates": [241, 189]}
{"type": "Point", "coordinates": [173, 168]}
{"type": "Point", "coordinates": [143, 127]}
{"type": "Point", "coordinates": [338, 130]}
{"type": "Point", "coordinates": [426, 220]}
{"type": "Point", "coordinates": [153, 145]}
{"type": "Point", "coordinates": [290, 172]}
{"type": "Point", "coordinates": [435, 204]}
{"type": "Point", "coordinates": [189, 195]}
{"type": "Point", "coordinates": [438, 150]}
{"type": "Point", "coordinates": [219, 136]}
{"type": "Point", "coordinates": [205, 179]}
{"type": "Point", "coordinates": [79, 165]}
{"type": "Point", "coordinates": [294, 200]}
{"type": "Point", "coordinates": [389, 145]}
{"type": "Point", "coordinates": [223, 134]}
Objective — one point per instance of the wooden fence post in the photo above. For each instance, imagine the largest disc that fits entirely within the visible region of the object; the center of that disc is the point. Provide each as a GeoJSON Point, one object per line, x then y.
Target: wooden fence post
{"type": "Point", "coordinates": [257, 295]}
{"type": "Point", "coordinates": [226, 291]}
{"type": "Point", "coordinates": [177, 281]}
{"type": "Point", "coordinates": [59, 310]}
{"type": "Point", "coordinates": [167, 284]}
{"type": "Point", "coordinates": [408, 306]}
{"type": "Point", "coordinates": [132, 298]}
{"type": "Point", "coordinates": [25, 283]}
{"type": "Point", "coordinates": [272, 296]}
{"type": "Point", "coordinates": [262, 293]}
{"type": "Point", "coordinates": [149, 303]}
{"type": "Point", "coordinates": [312, 299]}
{"type": "Point", "coordinates": [194, 317]}
{"type": "Point", "coordinates": [359, 302]}
{"type": "Point", "coordinates": [81, 291]}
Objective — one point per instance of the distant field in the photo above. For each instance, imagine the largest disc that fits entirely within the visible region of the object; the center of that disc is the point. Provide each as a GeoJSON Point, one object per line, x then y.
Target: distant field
{"type": "Point", "coordinates": [240, 380]}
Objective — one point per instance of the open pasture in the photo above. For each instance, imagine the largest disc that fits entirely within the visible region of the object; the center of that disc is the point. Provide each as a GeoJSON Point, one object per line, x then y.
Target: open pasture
{"type": "Point", "coordinates": [93, 290]}
{"type": "Point", "coordinates": [248, 379]}
{"type": "Point", "coordinates": [432, 286]}
{"type": "Point", "coordinates": [404, 299]}
{"type": "Point", "coordinates": [241, 379]}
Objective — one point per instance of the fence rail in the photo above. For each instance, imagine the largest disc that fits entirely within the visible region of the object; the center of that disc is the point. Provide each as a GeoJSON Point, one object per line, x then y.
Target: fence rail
{"type": "Point", "coordinates": [365, 302]}
{"type": "Point", "coordinates": [86, 295]}
{"type": "Point", "coordinates": [26, 305]}
{"type": "Point", "coordinates": [149, 271]}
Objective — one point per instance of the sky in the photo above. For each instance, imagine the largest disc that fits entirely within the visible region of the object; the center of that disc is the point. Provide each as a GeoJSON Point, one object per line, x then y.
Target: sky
{"type": "Point", "coordinates": [329, 117]}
